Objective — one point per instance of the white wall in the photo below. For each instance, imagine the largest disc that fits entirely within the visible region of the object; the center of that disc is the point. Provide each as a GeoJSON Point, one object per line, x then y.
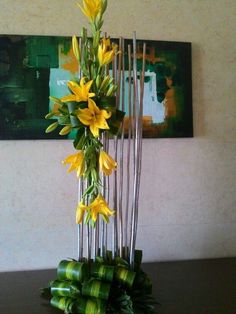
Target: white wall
{"type": "Point", "coordinates": [188, 192]}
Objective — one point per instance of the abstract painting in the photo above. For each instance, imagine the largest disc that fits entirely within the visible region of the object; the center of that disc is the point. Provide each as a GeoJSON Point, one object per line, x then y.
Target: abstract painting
{"type": "Point", "coordinates": [34, 67]}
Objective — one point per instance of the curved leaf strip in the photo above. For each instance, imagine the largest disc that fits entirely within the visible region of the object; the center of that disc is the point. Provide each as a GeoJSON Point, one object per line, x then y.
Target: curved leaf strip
{"type": "Point", "coordinates": [70, 270]}
{"type": "Point", "coordinates": [90, 306]}
{"type": "Point", "coordinates": [96, 289]}
{"type": "Point", "coordinates": [65, 288]}
{"type": "Point", "coordinates": [125, 276]}
{"type": "Point", "coordinates": [102, 272]}
{"type": "Point", "coordinates": [62, 303]}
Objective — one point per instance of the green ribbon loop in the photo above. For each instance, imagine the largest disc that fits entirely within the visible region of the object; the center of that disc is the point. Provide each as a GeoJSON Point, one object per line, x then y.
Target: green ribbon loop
{"type": "Point", "coordinates": [62, 303]}
{"type": "Point", "coordinates": [97, 289]}
{"type": "Point", "coordinates": [125, 276]}
{"type": "Point", "coordinates": [65, 288]}
{"type": "Point", "coordinates": [70, 270]}
{"type": "Point", "coordinates": [102, 272]}
{"type": "Point", "coordinates": [90, 306]}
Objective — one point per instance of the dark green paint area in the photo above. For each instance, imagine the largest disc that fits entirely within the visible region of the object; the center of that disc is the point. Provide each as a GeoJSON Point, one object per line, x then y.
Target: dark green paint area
{"type": "Point", "coordinates": [25, 63]}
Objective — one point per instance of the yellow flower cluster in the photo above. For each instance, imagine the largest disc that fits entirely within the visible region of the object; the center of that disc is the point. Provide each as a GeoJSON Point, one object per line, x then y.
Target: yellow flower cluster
{"type": "Point", "coordinates": [92, 8]}
{"type": "Point", "coordinates": [77, 163]}
{"type": "Point", "coordinates": [88, 110]}
{"type": "Point", "coordinates": [94, 117]}
{"type": "Point", "coordinates": [106, 52]}
{"type": "Point", "coordinates": [80, 91]}
{"type": "Point", "coordinates": [98, 207]}
{"type": "Point", "coordinates": [107, 163]}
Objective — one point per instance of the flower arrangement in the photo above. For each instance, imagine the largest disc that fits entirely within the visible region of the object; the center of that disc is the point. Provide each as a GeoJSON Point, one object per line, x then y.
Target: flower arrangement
{"type": "Point", "coordinates": [90, 108]}
{"type": "Point", "coordinates": [102, 280]}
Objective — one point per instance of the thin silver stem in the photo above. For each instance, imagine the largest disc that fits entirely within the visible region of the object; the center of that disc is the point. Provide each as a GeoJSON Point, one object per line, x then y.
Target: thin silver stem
{"type": "Point", "coordinates": [128, 177]}
{"type": "Point", "coordinates": [89, 239]}
{"type": "Point", "coordinates": [142, 76]}
{"type": "Point", "coordinates": [102, 224]}
{"type": "Point", "coordinates": [115, 140]}
{"type": "Point", "coordinates": [121, 157]}
{"type": "Point", "coordinates": [108, 198]}
{"type": "Point", "coordinates": [96, 239]}
{"type": "Point", "coordinates": [136, 152]}
{"type": "Point", "coordinates": [81, 225]}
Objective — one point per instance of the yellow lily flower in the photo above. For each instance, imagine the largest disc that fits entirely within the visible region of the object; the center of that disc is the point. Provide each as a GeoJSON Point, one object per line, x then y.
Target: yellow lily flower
{"type": "Point", "coordinates": [107, 163]}
{"type": "Point", "coordinates": [81, 208]}
{"type": "Point", "coordinates": [91, 8]}
{"type": "Point", "coordinates": [94, 117]}
{"type": "Point", "coordinates": [77, 163]}
{"type": "Point", "coordinates": [106, 52]}
{"type": "Point", "coordinates": [80, 91]}
{"type": "Point", "coordinates": [100, 206]}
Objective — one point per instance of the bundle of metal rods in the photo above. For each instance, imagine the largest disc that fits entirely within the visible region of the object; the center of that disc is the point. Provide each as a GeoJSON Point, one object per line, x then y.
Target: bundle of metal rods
{"type": "Point", "coordinates": [121, 189]}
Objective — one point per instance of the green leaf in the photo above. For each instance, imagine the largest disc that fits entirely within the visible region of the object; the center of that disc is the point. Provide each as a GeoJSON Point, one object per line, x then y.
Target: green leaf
{"type": "Point", "coordinates": [108, 103]}
{"type": "Point", "coordinates": [89, 190]}
{"type": "Point", "coordinates": [55, 100]}
{"type": "Point", "coordinates": [115, 121]}
{"type": "Point", "coordinates": [87, 218]}
{"type": "Point", "coordinates": [80, 139]}
{"type": "Point", "coordinates": [64, 120]}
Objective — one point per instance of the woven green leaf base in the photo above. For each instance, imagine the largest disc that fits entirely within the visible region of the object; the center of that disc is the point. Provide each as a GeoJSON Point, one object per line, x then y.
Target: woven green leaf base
{"type": "Point", "coordinates": [104, 286]}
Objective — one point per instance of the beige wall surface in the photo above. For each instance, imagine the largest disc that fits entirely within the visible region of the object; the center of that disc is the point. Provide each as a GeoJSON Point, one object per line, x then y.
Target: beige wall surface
{"type": "Point", "coordinates": [188, 192]}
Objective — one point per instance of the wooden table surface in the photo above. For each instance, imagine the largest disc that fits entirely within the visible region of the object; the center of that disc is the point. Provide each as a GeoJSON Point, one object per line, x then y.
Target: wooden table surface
{"type": "Point", "coordinates": [185, 287]}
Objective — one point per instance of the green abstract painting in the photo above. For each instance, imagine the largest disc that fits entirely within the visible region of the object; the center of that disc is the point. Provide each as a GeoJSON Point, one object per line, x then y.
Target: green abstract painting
{"type": "Point", "coordinates": [34, 67]}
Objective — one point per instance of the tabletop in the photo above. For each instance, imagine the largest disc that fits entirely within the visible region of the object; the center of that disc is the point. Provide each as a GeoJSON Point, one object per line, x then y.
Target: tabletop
{"type": "Point", "coordinates": [182, 287]}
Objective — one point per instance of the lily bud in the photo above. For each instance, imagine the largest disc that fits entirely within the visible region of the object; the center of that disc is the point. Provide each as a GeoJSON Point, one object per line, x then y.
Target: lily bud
{"type": "Point", "coordinates": [51, 127]}
{"type": "Point", "coordinates": [98, 81]}
{"type": "Point", "coordinates": [75, 47]}
{"type": "Point", "coordinates": [49, 115]}
{"type": "Point", "coordinates": [66, 130]}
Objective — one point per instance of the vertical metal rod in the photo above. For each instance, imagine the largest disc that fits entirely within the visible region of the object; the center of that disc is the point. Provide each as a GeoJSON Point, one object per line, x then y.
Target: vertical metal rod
{"type": "Point", "coordinates": [121, 152]}
{"type": "Point", "coordinates": [105, 192]}
{"type": "Point", "coordinates": [136, 152]}
{"type": "Point", "coordinates": [80, 189]}
{"type": "Point", "coordinates": [88, 228]}
{"type": "Point", "coordinates": [97, 246]}
{"type": "Point", "coordinates": [95, 239]}
{"type": "Point", "coordinates": [102, 233]}
{"type": "Point", "coordinates": [114, 235]}
{"type": "Point", "coordinates": [108, 198]}
{"type": "Point", "coordinates": [81, 225]}
{"type": "Point", "coordinates": [128, 177]}
{"type": "Point", "coordinates": [140, 128]}
{"type": "Point", "coordinates": [88, 242]}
